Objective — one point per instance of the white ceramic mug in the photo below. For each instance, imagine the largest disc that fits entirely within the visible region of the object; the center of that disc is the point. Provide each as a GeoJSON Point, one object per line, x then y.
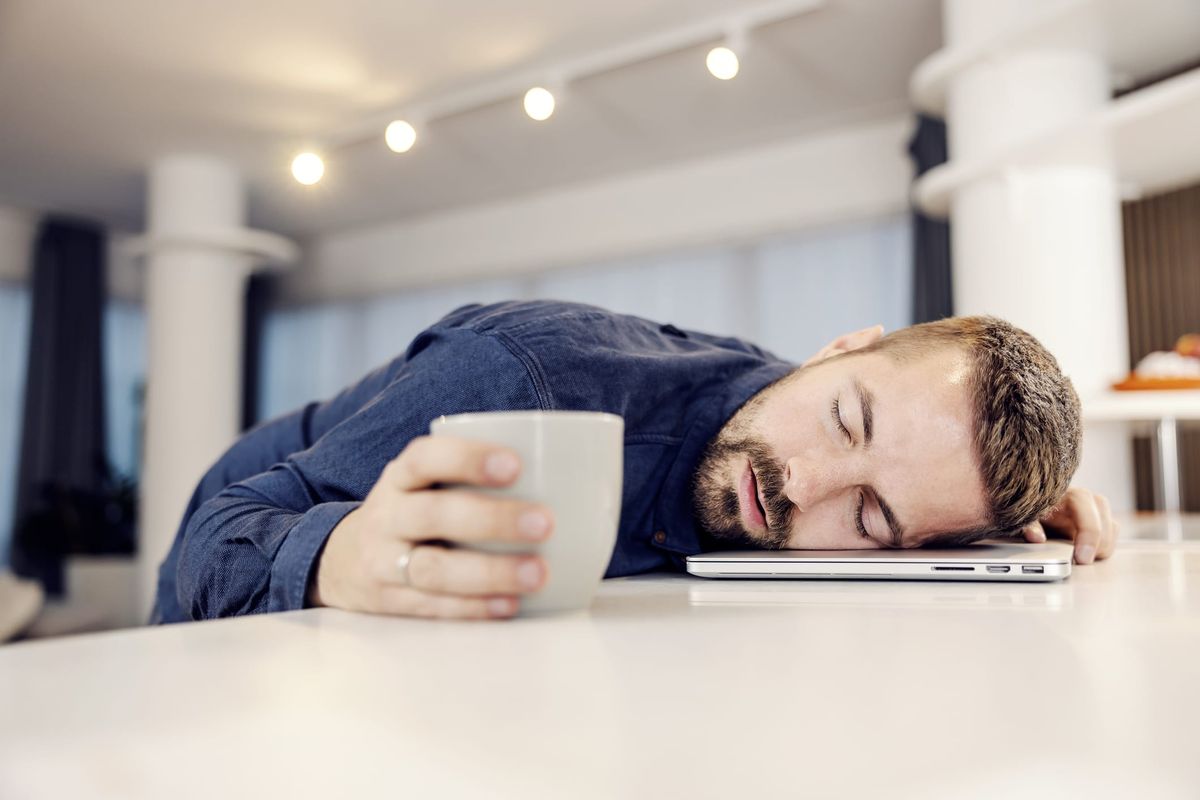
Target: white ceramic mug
{"type": "Point", "coordinates": [571, 462]}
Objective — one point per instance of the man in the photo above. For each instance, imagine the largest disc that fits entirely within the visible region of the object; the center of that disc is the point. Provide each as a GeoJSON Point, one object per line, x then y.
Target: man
{"type": "Point", "coordinates": [941, 432]}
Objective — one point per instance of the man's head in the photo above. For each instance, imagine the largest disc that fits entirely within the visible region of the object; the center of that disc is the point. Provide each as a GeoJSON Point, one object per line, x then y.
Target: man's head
{"type": "Point", "coordinates": [953, 430]}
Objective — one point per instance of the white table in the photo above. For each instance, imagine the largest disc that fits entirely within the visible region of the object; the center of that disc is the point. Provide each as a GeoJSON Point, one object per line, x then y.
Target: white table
{"type": "Point", "coordinates": [1166, 409]}
{"type": "Point", "coordinates": [670, 687]}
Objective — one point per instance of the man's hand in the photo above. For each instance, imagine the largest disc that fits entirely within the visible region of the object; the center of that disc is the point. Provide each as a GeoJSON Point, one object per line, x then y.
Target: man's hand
{"type": "Point", "coordinates": [1082, 516]}
{"type": "Point", "coordinates": [359, 568]}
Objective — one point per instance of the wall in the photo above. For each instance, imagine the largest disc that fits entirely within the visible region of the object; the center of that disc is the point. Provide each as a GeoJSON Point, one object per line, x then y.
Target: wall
{"type": "Point", "coordinates": [852, 173]}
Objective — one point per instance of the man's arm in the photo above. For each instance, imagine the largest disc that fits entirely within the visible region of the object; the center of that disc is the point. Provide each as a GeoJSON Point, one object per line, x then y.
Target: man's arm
{"type": "Point", "coordinates": [255, 546]}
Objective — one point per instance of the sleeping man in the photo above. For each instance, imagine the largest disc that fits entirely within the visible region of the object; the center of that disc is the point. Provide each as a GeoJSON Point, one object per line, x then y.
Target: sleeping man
{"type": "Point", "coordinates": [945, 432]}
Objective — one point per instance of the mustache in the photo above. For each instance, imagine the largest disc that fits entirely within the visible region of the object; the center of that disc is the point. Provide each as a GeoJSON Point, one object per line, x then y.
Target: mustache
{"type": "Point", "coordinates": [715, 497]}
{"type": "Point", "coordinates": [769, 474]}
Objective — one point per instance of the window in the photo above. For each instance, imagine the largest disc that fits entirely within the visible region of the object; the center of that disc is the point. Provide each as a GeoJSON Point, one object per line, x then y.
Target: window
{"type": "Point", "coordinates": [14, 341]}
{"type": "Point", "coordinates": [791, 294]}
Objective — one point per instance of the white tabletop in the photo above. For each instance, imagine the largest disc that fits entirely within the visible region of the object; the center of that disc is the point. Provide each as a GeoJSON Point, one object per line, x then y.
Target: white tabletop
{"type": "Point", "coordinates": [1183, 404]}
{"type": "Point", "coordinates": [669, 687]}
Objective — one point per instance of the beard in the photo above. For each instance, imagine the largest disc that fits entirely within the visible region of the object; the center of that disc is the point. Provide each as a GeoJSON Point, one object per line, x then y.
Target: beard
{"type": "Point", "coordinates": [715, 504]}
{"type": "Point", "coordinates": [715, 499]}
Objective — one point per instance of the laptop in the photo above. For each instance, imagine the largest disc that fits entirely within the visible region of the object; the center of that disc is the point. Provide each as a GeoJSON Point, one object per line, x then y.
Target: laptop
{"type": "Point", "coordinates": [983, 561]}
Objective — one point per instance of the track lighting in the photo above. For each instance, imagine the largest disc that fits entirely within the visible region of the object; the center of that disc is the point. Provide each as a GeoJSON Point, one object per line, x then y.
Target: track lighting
{"type": "Point", "coordinates": [539, 103]}
{"type": "Point", "coordinates": [400, 136]}
{"type": "Point", "coordinates": [722, 62]}
{"type": "Point", "coordinates": [307, 168]}
{"type": "Point", "coordinates": [728, 32]}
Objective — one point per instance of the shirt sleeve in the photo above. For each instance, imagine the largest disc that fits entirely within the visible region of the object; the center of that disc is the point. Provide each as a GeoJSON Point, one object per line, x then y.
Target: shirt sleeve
{"type": "Point", "coordinates": [254, 546]}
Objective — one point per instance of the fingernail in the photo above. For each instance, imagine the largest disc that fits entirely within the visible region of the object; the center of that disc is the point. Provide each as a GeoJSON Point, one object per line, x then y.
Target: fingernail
{"type": "Point", "coordinates": [1039, 536]}
{"type": "Point", "coordinates": [530, 574]}
{"type": "Point", "coordinates": [501, 466]}
{"type": "Point", "coordinates": [1085, 554]}
{"type": "Point", "coordinates": [500, 606]}
{"type": "Point", "coordinates": [533, 525]}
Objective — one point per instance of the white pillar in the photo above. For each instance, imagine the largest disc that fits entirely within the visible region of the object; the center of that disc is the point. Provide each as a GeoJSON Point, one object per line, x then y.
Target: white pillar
{"type": "Point", "coordinates": [194, 303]}
{"type": "Point", "coordinates": [17, 231]}
{"type": "Point", "coordinates": [1040, 245]}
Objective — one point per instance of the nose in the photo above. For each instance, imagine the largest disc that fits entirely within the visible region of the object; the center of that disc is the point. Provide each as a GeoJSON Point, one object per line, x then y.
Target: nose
{"type": "Point", "coordinates": [807, 483]}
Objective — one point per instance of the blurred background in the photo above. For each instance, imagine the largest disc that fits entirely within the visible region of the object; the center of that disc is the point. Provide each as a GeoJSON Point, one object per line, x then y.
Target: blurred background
{"type": "Point", "coordinates": [211, 213]}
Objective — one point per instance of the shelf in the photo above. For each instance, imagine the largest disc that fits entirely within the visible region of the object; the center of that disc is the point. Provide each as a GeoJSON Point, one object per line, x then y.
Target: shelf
{"type": "Point", "coordinates": [1138, 39]}
{"type": "Point", "coordinates": [1151, 136]}
{"type": "Point", "coordinates": [271, 249]}
{"type": "Point", "coordinates": [1183, 404]}
{"type": "Point", "coordinates": [1156, 134]}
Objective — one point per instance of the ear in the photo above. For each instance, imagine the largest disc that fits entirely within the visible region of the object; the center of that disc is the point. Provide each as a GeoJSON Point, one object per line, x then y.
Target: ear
{"type": "Point", "coordinates": [853, 341]}
{"type": "Point", "coordinates": [847, 342]}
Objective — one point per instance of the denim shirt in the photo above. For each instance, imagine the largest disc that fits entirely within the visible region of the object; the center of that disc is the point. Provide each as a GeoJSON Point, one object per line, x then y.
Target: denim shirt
{"type": "Point", "coordinates": [253, 532]}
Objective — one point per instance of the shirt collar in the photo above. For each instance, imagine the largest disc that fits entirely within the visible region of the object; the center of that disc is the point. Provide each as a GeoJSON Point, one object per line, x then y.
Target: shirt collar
{"type": "Point", "coordinates": [673, 514]}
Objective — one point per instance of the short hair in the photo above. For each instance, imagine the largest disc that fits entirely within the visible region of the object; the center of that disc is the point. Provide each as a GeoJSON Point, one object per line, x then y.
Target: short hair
{"type": "Point", "coordinates": [1026, 416]}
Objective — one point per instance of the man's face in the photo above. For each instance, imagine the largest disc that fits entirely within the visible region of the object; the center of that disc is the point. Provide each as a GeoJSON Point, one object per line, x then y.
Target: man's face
{"type": "Point", "coordinates": [782, 473]}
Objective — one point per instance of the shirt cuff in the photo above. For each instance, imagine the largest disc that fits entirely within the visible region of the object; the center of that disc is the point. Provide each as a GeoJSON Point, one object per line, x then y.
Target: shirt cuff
{"type": "Point", "coordinates": [297, 557]}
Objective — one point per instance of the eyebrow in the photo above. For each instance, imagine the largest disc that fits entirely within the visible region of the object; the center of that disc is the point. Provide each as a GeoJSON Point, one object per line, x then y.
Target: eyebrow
{"type": "Point", "coordinates": [866, 400]}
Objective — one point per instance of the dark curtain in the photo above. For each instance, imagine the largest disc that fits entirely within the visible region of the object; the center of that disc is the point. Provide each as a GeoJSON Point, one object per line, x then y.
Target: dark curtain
{"type": "Point", "coordinates": [63, 494]}
{"type": "Point", "coordinates": [933, 296]}
{"type": "Point", "coordinates": [259, 293]}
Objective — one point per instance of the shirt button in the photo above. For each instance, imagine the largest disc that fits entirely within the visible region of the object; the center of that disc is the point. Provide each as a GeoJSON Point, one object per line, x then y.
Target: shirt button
{"type": "Point", "coordinates": [660, 536]}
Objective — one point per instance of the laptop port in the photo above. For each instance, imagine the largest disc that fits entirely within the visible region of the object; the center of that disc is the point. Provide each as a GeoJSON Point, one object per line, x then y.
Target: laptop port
{"type": "Point", "coordinates": [953, 569]}
{"type": "Point", "coordinates": [998, 569]}
{"type": "Point", "coordinates": [1033, 570]}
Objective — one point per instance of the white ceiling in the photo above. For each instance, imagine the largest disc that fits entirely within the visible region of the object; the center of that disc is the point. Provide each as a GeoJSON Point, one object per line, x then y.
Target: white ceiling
{"type": "Point", "coordinates": [91, 92]}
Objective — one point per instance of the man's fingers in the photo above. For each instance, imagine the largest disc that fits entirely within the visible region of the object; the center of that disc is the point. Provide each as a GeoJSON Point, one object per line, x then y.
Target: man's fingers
{"type": "Point", "coordinates": [1085, 517]}
{"type": "Point", "coordinates": [465, 516]}
{"type": "Point", "coordinates": [1034, 532]}
{"type": "Point", "coordinates": [468, 572]}
{"type": "Point", "coordinates": [1088, 526]}
{"type": "Point", "coordinates": [1109, 540]}
{"type": "Point", "coordinates": [448, 459]}
{"type": "Point", "coordinates": [410, 602]}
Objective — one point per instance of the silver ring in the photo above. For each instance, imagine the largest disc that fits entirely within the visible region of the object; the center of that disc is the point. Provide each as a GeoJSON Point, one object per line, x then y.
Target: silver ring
{"type": "Point", "coordinates": [402, 565]}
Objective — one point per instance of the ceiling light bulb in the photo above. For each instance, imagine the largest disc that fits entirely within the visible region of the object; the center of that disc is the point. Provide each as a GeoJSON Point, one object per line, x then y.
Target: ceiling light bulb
{"type": "Point", "coordinates": [722, 63]}
{"type": "Point", "coordinates": [400, 136]}
{"type": "Point", "coordinates": [308, 168]}
{"type": "Point", "coordinates": [539, 103]}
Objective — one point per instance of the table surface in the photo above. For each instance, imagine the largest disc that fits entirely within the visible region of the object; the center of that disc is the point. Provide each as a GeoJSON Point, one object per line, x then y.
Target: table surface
{"type": "Point", "coordinates": [1182, 404]}
{"type": "Point", "coordinates": [669, 687]}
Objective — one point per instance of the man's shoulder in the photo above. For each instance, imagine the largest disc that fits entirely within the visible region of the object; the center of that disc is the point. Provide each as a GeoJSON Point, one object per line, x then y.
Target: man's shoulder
{"type": "Point", "coordinates": [514, 315]}
{"type": "Point", "coordinates": [542, 323]}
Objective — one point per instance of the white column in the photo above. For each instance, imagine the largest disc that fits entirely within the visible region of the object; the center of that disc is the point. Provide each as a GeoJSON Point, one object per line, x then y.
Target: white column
{"type": "Point", "coordinates": [17, 231]}
{"type": "Point", "coordinates": [194, 302]}
{"type": "Point", "coordinates": [1040, 245]}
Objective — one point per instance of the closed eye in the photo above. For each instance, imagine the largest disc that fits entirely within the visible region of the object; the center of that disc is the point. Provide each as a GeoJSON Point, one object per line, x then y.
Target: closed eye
{"type": "Point", "coordinates": [858, 516]}
{"type": "Point", "coordinates": [836, 411]}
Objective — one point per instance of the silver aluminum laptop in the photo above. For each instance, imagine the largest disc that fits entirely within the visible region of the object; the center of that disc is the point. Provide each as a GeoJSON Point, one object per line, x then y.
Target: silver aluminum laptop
{"type": "Point", "coordinates": [984, 561]}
